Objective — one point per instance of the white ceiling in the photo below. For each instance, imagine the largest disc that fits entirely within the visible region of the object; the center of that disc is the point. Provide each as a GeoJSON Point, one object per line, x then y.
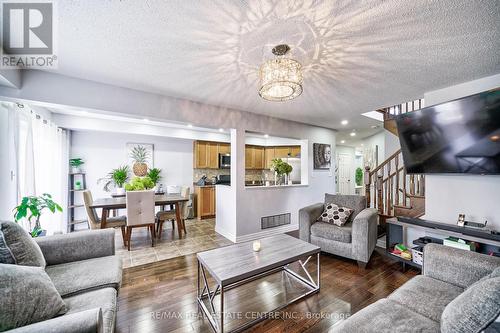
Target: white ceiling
{"type": "Point", "coordinates": [357, 55]}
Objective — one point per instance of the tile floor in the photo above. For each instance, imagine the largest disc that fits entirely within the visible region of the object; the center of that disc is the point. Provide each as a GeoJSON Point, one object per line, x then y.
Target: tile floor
{"type": "Point", "coordinates": [201, 236]}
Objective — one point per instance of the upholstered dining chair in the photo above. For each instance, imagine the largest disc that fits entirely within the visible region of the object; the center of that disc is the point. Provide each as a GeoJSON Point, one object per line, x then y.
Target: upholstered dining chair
{"type": "Point", "coordinates": [140, 212]}
{"type": "Point", "coordinates": [167, 215]}
{"type": "Point", "coordinates": [95, 222]}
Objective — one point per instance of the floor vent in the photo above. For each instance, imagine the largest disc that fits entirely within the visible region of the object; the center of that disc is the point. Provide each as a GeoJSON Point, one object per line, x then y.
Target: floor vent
{"type": "Point", "coordinates": [273, 221]}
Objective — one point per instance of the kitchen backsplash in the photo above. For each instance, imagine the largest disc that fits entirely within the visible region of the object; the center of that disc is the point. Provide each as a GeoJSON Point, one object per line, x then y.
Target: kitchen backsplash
{"type": "Point", "coordinates": [210, 173]}
{"type": "Point", "coordinates": [250, 175]}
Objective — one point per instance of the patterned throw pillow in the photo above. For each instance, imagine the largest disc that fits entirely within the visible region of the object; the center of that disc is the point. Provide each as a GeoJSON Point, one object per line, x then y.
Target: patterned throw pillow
{"type": "Point", "coordinates": [335, 215]}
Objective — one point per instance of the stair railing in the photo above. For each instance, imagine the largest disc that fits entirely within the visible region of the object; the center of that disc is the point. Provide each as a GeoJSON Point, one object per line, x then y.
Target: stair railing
{"type": "Point", "coordinates": [388, 185]}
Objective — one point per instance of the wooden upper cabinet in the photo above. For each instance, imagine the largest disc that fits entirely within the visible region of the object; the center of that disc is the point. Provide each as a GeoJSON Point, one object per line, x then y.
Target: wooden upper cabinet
{"type": "Point", "coordinates": [281, 152]}
{"type": "Point", "coordinates": [269, 156]}
{"type": "Point", "coordinates": [224, 148]}
{"type": "Point", "coordinates": [213, 155]}
{"type": "Point", "coordinates": [249, 157]}
{"type": "Point", "coordinates": [294, 151]}
{"type": "Point", "coordinates": [259, 158]}
{"type": "Point", "coordinates": [206, 155]}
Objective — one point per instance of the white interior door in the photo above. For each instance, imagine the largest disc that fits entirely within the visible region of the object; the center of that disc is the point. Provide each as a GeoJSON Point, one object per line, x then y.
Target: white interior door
{"type": "Point", "coordinates": [345, 174]}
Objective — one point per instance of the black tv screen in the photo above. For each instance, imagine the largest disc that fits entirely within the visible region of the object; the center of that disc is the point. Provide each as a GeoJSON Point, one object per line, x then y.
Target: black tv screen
{"type": "Point", "coordinates": [460, 136]}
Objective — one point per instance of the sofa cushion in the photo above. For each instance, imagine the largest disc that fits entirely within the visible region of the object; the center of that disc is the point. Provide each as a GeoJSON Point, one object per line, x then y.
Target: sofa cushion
{"type": "Point", "coordinates": [80, 276]}
{"type": "Point", "coordinates": [475, 309]}
{"type": "Point", "coordinates": [332, 232]}
{"type": "Point", "coordinates": [6, 256]}
{"type": "Point", "coordinates": [22, 246]}
{"type": "Point", "coordinates": [334, 214]}
{"type": "Point", "coordinates": [101, 298]}
{"type": "Point", "coordinates": [27, 296]}
{"type": "Point", "coordinates": [355, 202]}
{"type": "Point", "coordinates": [386, 316]}
{"type": "Point", "coordinates": [426, 295]}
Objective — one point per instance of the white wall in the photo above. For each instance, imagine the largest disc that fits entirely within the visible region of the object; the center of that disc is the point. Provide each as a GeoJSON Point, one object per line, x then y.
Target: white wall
{"type": "Point", "coordinates": [377, 139]}
{"type": "Point", "coordinates": [103, 151]}
{"type": "Point", "coordinates": [477, 197]}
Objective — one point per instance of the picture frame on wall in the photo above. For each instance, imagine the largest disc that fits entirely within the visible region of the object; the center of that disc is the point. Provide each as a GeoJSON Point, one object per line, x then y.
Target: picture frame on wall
{"type": "Point", "coordinates": [140, 157]}
{"type": "Point", "coordinates": [322, 154]}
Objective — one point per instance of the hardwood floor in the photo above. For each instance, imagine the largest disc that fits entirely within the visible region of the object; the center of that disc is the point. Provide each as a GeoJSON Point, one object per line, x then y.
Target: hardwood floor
{"type": "Point", "coordinates": [160, 297]}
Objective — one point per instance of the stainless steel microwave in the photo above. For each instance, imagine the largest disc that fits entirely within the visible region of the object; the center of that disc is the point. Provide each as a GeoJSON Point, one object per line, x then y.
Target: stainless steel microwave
{"type": "Point", "coordinates": [224, 161]}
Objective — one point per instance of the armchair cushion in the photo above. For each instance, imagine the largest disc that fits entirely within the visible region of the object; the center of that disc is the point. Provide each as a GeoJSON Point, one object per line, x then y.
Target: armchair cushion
{"type": "Point", "coordinates": [355, 202]}
{"type": "Point", "coordinates": [77, 246]}
{"type": "Point", "coordinates": [21, 245]}
{"type": "Point", "coordinates": [27, 296]}
{"type": "Point", "coordinates": [307, 216]}
{"type": "Point", "coordinates": [332, 232]}
{"type": "Point", "coordinates": [81, 276]}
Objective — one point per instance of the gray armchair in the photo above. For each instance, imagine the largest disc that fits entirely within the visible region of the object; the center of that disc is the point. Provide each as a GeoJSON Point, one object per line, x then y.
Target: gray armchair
{"type": "Point", "coordinates": [355, 240]}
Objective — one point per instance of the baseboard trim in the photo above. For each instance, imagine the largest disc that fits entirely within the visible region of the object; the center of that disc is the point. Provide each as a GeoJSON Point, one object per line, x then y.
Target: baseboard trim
{"type": "Point", "coordinates": [226, 234]}
{"type": "Point", "coordinates": [267, 233]}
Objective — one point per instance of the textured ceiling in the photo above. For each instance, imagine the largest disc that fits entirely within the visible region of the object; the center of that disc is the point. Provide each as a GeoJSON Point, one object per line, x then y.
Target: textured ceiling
{"type": "Point", "coordinates": [357, 55]}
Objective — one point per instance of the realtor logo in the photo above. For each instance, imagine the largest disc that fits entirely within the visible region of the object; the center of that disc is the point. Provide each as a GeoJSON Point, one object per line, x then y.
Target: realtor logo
{"type": "Point", "coordinates": [28, 35]}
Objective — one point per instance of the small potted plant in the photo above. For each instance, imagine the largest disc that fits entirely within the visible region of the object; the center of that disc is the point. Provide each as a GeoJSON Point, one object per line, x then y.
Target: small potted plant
{"type": "Point", "coordinates": [117, 177]}
{"type": "Point", "coordinates": [32, 207]}
{"type": "Point", "coordinates": [280, 168]}
{"type": "Point", "coordinates": [155, 175]}
{"type": "Point", "coordinates": [78, 185]}
{"type": "Point", "coordinates": [76, 165]}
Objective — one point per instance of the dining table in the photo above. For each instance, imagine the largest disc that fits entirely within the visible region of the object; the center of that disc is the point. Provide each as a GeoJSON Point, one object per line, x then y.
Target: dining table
{"type": "Point", "coordinates": [109, 204]}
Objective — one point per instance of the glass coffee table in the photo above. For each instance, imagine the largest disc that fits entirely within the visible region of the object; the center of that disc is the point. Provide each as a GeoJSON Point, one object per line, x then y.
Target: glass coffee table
{"type": "Point", "coordinates": [225, 268]}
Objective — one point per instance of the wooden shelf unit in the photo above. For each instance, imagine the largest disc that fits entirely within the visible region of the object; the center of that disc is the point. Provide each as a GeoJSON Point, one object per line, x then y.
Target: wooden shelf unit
{"type": "Point", "coordinates": [72, 206]}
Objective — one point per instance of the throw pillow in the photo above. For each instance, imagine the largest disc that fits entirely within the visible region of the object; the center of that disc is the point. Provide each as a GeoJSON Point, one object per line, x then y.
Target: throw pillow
{"type": "Point", "coordinates": [28, 296]}
{"type": "Point", "coordinates": [22, 246]}
{"type": "Point", "coordinates": [473, 310]}
{"type": "Point", "coordinates": [335, 215]}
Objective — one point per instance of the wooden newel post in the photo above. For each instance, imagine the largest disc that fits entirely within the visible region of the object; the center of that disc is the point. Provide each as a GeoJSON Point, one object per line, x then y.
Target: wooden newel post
{"type": "Point", "coordinates": [367, 185]}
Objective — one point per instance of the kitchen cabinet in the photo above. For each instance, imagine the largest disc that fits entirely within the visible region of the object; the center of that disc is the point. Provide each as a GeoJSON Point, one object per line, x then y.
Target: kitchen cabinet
{"type": "Point", "coordinates": [254, 157]}
{"type": "Point", "coordinates": [294, 151]}
{"type": "Point", "coordinates": [206, 155]}
{"type": "Point", "coordinates": [224, 148]}
{"type": "Point", "coordinates": [269, 156]}
{"type": "Point", "coordinates": [281, 152]}
{"type": "Point", "coordinates": [205, 201]}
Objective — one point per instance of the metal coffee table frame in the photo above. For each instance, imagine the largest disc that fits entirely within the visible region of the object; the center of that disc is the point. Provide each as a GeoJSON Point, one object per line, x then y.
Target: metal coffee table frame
{"type": "Point", "coordinates": [216, 320]}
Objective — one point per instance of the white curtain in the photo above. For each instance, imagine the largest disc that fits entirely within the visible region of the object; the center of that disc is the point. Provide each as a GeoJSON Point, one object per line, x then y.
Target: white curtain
{"type": "Point", "coordinates": [43, 152]}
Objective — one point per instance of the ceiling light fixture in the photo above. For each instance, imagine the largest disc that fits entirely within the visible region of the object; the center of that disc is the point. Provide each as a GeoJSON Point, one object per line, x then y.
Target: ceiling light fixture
{"type": "Point", "coordinates": [342, 141]}
{"type": "Point", "coordinates": [221, 130]}
{"type": "Point", "coordinates": [280, 78]}
{"type": "Point", "coordinates": [352, 134]}
{"type": "Point", "coordinates": [266, 135]}
{"type": "Point", "coordinates": [189, 125]}
{"type": "Point", "coordinates": [344, 122]}
{"type": "Point", "coordinates": [146, 120]}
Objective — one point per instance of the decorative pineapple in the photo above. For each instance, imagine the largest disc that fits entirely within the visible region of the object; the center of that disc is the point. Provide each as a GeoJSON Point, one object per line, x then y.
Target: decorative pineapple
{"type": "Point", "coordinates": [140, 155]}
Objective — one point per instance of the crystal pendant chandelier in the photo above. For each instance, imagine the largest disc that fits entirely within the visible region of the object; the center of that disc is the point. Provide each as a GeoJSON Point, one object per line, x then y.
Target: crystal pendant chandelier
{"type": "Point", "coordinates": [280, 78]}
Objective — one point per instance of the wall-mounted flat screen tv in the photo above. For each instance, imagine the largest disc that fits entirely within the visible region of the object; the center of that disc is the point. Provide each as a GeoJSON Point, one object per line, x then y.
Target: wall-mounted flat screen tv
{"type": "Point", "coordinates": [460, 136]}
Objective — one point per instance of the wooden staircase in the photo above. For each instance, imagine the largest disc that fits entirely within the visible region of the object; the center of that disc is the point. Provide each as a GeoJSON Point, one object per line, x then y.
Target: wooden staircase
{"type": "Point", "coordinates": [387, 187]}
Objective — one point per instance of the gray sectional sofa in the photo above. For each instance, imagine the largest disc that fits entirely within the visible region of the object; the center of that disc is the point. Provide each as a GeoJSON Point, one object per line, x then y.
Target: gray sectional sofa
{"type": "Point", "coordinates": [459, 292]}
{"type": "Point", "coordinates": [87, 275]}
{"type": "Point", "coordinates": [355, 240]}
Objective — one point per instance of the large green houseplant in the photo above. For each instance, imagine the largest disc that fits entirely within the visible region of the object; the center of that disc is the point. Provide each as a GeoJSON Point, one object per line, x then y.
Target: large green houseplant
{"type": "Point", "coordinates": [155, 175]}
{"type": "Point", "coordinates": [359, 176]}
{"type": "Point", "coordinates": [31, 207]}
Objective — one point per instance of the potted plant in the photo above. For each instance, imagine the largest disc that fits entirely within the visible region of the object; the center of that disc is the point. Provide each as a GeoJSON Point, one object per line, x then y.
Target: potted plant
{"type": "Point", "coordinates": [32, 207]}
{"type": "Point", "coordinates": [359, 176]}
{"type": "Point", "coordinates": [78, 185]}
{"type": "Point", "coordinates": [155, 175]}
{"type": "Point", "coordinates": [280, 169]}
{"type": "Point", "coordinates": [76, 165]}
{"type": "Point", "coordinates": [139, 184]}
{"type": "Point", "coordinates": [140, 155]}
{"type": "Point", "coordinates": [117, 177]}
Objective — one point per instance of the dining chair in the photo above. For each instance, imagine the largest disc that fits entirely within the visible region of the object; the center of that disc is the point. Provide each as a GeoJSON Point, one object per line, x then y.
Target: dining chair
{"type": "Point", "coordinates": [140, 212]}
{"type": "Point", "coordinates": [95, 222]}
{"type": "Point", "coordinates": [167, 215]}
